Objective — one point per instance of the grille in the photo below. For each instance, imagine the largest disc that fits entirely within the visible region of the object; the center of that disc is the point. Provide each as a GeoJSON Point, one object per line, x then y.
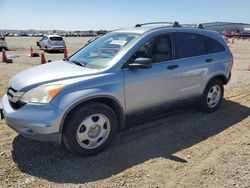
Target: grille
{"type": "Point", "coordinates": [14, 96]}
{"type": "Point", "coordinates": [11, 92]}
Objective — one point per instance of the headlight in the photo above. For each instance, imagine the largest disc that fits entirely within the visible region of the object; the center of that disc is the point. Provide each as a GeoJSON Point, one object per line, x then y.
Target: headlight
{"type": "Point", "coordinates": [42, 94]}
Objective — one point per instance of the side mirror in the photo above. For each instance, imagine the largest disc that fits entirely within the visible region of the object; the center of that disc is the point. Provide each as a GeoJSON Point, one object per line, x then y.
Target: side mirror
{"type": "Point", "coordinates": [141, 62]}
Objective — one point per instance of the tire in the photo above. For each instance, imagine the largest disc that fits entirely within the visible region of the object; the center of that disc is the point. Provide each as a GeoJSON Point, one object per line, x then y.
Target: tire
{"type": "Point", "coordinates": [90, 129]}
{"type": "Point", "coordinates": [212, 96]}
{"type": "Point", "coordinates": [46, 49]}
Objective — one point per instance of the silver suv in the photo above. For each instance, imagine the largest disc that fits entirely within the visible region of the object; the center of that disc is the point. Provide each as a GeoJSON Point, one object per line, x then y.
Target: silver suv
{"type": "Point", "coordinates": [85, 99]}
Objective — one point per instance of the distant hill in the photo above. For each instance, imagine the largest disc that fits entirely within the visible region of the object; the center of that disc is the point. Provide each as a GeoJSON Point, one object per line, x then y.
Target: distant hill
{"type": "Point", "coordinates": [226, 26]}
{"type": "Point", "coordinates": [217, 26]}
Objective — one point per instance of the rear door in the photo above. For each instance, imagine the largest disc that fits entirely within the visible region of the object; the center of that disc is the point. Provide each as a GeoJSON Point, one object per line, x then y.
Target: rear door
{"type": "Point", "coordinates": [198, 55]}
{"type": "Point", "coordinates": [192, 55]}
{"type": "Point", "coordinates": [150, 88]}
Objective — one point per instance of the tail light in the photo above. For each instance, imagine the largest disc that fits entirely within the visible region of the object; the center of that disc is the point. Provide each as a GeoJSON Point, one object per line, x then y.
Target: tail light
{"type": "Point", "coordinates": [2, 38]}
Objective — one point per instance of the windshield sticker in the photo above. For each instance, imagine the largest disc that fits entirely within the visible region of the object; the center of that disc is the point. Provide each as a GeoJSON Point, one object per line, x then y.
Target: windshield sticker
{"type": "Point", "coordinates": [118, 42]}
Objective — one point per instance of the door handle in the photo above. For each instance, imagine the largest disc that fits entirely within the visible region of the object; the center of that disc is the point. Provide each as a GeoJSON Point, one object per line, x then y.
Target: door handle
{"type": "Point", "coordinates": [172, 67]}
{"type": "Point", "coordinates": [209, 60]}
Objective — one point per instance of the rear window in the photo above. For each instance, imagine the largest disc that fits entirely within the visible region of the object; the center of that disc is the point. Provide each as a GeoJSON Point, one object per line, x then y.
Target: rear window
{"type": "Point", "coordinates": [56, 38]}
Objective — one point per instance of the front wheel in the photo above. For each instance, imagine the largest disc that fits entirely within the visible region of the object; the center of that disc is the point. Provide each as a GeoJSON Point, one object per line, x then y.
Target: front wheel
{"type": "Point", "coordinates": [90, 129]}
{"type": "Point", "coordinates": [212, 96]}
{"type": "Point", "coordinates": [46, 49]}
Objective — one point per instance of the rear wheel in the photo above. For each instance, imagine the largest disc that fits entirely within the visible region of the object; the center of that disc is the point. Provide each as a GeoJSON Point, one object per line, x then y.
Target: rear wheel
{"type": "Point", "coordinates": [212, 96]}
{"type": "Point", "coordinates": [90, 129]}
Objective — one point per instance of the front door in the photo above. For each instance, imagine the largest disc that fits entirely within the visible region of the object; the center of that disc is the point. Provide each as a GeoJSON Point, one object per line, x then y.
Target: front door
{"type": "Point", "coordinates": [148, 88]}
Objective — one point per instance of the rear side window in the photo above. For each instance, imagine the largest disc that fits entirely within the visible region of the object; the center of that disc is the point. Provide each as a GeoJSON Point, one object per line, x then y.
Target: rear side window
{"type": "Point", "coordinates": [189, 45]}
{"type": "Point", "coordinates": [56, 38]}
{"type": "Point", "coordinates": [213, 46]}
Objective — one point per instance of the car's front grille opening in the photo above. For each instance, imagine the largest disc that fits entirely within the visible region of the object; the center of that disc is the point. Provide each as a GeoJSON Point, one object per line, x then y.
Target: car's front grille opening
{"type": "Point", "coordinates": [16, 105]}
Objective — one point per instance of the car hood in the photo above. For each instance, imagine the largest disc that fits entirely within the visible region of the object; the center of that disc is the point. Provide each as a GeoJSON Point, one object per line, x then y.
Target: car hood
{"type": "Point", "coordinates": [50, 72]}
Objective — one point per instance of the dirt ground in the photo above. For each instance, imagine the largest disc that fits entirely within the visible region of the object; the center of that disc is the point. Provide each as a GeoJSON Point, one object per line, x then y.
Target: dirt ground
{"type": "Point", "coordinates": [183, 149]}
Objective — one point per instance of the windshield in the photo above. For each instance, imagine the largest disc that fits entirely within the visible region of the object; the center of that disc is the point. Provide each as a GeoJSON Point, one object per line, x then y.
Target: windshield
{"type": "Point", "coordinates": [101, 51]}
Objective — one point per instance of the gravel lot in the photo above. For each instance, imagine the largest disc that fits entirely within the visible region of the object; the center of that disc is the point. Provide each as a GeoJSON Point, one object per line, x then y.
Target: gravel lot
{"type": "Point", "coordinates": [186, 148]}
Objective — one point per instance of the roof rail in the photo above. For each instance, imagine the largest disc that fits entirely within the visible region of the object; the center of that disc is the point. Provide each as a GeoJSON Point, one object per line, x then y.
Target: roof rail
{"type": "Point", "coordinates": [199, 26]}
{"type": "Point", "coordinates": [174, 24]}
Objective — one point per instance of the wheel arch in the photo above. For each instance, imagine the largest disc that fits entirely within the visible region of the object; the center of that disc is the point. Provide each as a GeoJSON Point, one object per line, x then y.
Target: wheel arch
{"type": "Point", "coordinates": [221, 77]}
{"type": "Point", "coordinates": [107, 100]}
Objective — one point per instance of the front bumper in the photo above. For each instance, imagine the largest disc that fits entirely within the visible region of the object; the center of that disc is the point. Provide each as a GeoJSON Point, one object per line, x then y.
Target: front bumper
{"type": "Point", "coordinates": [38, 122]}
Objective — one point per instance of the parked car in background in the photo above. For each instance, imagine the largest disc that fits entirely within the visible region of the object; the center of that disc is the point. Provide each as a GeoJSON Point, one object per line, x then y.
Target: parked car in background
{"type": "Point", "coordinates": [225, 38]}
{"type": "Point", "coordinates": [51, 43]}
{"type": "Point", "coordinates": [3, 43]}
{"type": "Point", "coordinates": [85, 99]}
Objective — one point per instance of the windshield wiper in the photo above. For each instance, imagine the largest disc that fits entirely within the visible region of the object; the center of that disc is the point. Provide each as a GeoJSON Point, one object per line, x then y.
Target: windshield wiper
{"type": "Point", "coordinates": [78, 63]}
{"type": "Point", "coordinates": [75, 62]}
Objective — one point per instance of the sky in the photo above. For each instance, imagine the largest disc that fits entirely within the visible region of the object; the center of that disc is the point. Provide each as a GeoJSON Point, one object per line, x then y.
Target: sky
{"type": "Point", "coordinates": [114, 14]}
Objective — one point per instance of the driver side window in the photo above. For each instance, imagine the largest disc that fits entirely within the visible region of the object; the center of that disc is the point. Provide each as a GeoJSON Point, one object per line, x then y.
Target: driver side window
{"type": "Point", "coordinates": [159, 49]}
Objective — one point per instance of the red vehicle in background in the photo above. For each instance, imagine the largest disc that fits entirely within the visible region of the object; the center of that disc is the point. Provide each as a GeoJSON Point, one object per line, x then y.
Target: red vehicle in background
{"type": "Point", "coordinates": [231, 35]}
{"type": "Point", "coordinates": [244, 35]}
